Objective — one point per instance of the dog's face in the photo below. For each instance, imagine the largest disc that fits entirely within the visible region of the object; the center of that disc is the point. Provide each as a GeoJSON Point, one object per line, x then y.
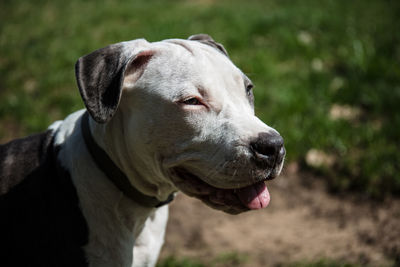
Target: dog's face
{"type": "Point", "coordinates": [188, 111]}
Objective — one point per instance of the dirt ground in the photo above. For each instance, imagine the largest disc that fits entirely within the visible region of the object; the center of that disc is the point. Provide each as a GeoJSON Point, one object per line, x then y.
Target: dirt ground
{"type": "Point", "coordinates": [303, 223]}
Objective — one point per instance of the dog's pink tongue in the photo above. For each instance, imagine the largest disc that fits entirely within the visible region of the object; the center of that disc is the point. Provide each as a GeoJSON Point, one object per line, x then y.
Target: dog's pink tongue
{"type": "Point", "coordinates": [255, 196]}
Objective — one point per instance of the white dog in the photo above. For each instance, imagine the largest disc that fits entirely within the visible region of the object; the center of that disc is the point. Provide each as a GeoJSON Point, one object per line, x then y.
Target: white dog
{"type": "Point", "coordinates": [164, 116]}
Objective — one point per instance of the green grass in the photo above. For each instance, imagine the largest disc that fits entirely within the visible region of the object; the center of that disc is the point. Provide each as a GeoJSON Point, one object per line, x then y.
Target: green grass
{"type": "Point", "coordinates": [303, 56]}
{"type": "Point", "coordinates": [320, 263]}
{"type": "Point", "coordinates": [234, 259]}
{"type": "Point", "coordinates": [225, 259]}
{"type": "Point", "coordinates": [174, 262]}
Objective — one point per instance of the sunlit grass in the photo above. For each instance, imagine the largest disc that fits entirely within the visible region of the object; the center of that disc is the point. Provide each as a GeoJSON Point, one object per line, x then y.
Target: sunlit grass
{"type": "Point", "coordinates": [303, 56]}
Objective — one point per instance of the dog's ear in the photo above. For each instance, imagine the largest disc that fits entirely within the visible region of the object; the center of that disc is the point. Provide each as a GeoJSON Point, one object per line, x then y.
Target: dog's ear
{"type": "Point", "coordinates": [208, 40]}
{"type": "Point", "coordinates": [100, 76]}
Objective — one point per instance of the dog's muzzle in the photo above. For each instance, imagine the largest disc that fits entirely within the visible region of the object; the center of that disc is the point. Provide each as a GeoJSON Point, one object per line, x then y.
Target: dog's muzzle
{"type": "Point", "coordinates": [268, 153]}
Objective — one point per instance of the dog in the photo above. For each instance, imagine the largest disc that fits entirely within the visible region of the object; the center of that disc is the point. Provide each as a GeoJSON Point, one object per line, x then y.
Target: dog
{"type": "Point", "coordinates": [161, 117]}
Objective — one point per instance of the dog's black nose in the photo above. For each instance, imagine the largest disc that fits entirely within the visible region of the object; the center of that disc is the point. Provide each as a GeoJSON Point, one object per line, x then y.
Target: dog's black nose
{"type": "Point", "coordinates": [268, 149]}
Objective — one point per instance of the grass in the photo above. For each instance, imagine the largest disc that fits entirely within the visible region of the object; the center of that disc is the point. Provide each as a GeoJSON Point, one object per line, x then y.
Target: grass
{"type": "Point", "coordinates": [320, 263]}
{"type": "Point", "coordinates": [304, 57]}
{"type": "Point", "coordinates": [174, 262]}
{"type": "Point", "coordinates": [234, 259]}
{"type": "Point", "coordinates": [223, 260]}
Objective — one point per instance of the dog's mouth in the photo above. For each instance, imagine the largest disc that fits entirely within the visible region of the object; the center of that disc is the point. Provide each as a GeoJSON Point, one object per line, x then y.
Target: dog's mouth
{"type": "Point", "coordinates": [234, 200]}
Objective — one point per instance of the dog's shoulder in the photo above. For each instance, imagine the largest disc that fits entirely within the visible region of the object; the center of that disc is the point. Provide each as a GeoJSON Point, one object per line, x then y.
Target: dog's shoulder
{"type": "Point", "coordinates": [20, 157]}
{"type": "Point", "coordinates": [41, 222]}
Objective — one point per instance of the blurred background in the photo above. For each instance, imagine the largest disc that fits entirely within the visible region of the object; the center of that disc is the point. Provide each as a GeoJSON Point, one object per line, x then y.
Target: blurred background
{"type": "Point", "coordinates": [327, 77]}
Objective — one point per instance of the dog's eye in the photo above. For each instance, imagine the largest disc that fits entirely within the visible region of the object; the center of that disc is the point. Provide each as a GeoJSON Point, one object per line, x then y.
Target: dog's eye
{"type": "Point", "coordinates": [248, 89]}
{"type": "Point", "coordinates": [192, 101]}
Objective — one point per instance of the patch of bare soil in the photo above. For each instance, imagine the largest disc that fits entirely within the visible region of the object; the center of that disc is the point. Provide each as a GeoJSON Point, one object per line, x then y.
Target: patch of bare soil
{"type": "Point", "coordinates": [302, 223]}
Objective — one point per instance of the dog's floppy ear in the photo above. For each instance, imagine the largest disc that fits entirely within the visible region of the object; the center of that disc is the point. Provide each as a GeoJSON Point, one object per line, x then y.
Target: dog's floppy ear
{"type": "Point", "coordinates": [208, 40]}
{"type": "Point", "coordinates": [100, 77]}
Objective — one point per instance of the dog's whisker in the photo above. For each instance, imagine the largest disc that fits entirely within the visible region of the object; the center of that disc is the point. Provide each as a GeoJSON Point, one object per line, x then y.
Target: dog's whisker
{"type": "Point", "coordinates": [216, 170]}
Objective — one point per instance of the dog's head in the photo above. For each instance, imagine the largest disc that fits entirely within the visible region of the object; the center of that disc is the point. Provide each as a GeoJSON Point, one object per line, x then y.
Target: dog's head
{"type": "Point", "coordinates": [182, 114]}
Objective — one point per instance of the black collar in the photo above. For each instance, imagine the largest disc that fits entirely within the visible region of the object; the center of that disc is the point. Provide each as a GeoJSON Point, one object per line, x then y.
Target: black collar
{"type": "Point", "coordinates": [114, 174]}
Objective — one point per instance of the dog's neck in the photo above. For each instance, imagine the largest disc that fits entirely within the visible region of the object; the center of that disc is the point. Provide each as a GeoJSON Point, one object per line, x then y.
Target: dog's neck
{"type": "Point", "coordinates": [143, 171]}
{"type": "Point", "coordinates": [113, 172]}
{"type": "Point", "coordinates": [115, 221]}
